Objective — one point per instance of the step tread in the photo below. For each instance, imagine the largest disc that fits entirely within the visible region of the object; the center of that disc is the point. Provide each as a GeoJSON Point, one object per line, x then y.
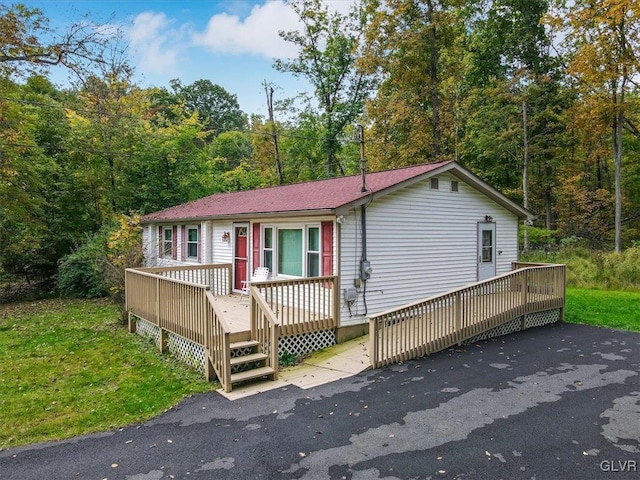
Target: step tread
{"type": "Point", "coordinates": [244, 344]}
{"type": "Point", "coordinates": [253, 357]}
{"type": "Point", "coordinates": [256, 372]}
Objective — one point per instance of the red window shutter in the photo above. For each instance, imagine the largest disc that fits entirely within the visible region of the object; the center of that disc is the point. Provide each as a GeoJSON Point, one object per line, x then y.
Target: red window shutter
{"type": "Point", "coordinates": [199, 243]}
{"type": "Point", "coordinates": [255, 239]}
{"type": "Point", "coordinates": [160, 242]}
{"type": "Point", "coordinates": [174, 246]}
{"type": "Point", "coordinates": [184, 242]}
{"type": "Point", "coordinates": [327, 248]}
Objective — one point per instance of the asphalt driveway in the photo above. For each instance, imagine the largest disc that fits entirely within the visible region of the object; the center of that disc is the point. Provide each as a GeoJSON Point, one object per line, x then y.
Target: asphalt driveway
{"type": "Point", "coordinates": [555, 402]}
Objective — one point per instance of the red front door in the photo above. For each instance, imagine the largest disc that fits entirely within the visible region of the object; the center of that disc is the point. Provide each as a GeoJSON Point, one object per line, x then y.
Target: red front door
{"type": "Point", "coordinates": [240, 257]}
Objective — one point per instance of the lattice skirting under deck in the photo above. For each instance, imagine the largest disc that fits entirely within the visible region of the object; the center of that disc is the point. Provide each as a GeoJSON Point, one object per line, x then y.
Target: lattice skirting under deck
{"type": "Point", "coordinates": [542, 318]}
{"type": "Point", "coordinates": [147, 329]}
{"type": "Point", "coordinates": [537, 319]}
{"type": "Point", "coordinates": [305, 343]}
{"type": "Point", "coordinates": [193, 354]}
{"type": "Point", "coordinates": [184, 350]}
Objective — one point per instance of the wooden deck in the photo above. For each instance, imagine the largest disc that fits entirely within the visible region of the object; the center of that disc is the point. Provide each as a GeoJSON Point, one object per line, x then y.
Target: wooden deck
{"type": "Point", "coordinates": [196, 303]}
{"type": "Point", "coordinates": [235, 311]}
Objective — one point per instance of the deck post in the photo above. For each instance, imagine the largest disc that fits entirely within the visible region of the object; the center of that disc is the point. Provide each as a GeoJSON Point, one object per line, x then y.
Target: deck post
{"type": "Point", "coordinates": [157, 305]}
{"type": "Point", "coordinates": [525, 308]}
{"type": "Point", "coordinates": [459, 318]}
{"type": "Point", "coordinates": [373, 343]}
{"type": "Point", "coordinates": [132, 322]}
{"type": "Point", "coordinates": [563, 286]}
{"type": "Point", "coordinates": [163, 337]}
{"type": "Point", "coordinates": [209, 371]}
{"type": "Point", "coordinates": [336, 303]}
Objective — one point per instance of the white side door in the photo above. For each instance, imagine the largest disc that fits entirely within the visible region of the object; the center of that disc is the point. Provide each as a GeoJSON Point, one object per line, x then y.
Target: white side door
{"type": "Point", "coordinates": [486, 250]}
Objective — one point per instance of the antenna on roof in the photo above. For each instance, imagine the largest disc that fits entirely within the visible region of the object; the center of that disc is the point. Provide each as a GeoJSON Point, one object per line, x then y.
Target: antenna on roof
{"type": "Point", "coordinates": [363, 166]}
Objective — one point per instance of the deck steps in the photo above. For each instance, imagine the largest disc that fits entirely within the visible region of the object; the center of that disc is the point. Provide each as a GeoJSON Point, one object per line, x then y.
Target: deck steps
{"type": "Point", "coordinates": [250, 374]}
{"type": "Point", "coordinates": [248, 363]}
{"type": "Point", "coordinates": [244, 344]}
{"type": "Point", "coordinates": [253, 357]}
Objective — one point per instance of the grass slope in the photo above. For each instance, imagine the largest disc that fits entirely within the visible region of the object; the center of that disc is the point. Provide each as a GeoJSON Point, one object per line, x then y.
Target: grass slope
{"type": "Point", "coordinates": [67, 367]}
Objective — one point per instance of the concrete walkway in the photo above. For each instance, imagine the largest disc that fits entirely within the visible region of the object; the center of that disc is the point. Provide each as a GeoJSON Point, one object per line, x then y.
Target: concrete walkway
{"type": "Point", "coordinates": [328, 365]}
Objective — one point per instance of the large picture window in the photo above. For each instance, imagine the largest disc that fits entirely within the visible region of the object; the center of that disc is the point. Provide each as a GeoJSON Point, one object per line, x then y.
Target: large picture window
{"type": "Point", "coordinates": [296, 250]}
{"type": "Point", "coordinates": [290, 252]}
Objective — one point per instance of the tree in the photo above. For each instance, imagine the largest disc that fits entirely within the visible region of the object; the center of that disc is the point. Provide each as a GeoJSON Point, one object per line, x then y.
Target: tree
{"type": "Point", "coordinates": [23, 170]}
{"type": "Point", "coordinates": [217, 109]}
{"type": "Point", "coordinates": [510, 50]}
{"type": "Point", "coordinates": [328, 46]}
{"type": "Point", "coordinates": [27, 42]}
{"type": "Point", "coordinates": [417, 50]}
{"type": "Point", "coordinates": [603, 39]}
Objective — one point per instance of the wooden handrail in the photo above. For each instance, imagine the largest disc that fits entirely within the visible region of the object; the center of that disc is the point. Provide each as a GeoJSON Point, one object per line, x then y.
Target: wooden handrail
{"type": "Point", "coordinates": [218, 344]}
{"type": "Point", "coordinates": [180, 268]}
{"type": "Point", "coordinates": [265, 328]}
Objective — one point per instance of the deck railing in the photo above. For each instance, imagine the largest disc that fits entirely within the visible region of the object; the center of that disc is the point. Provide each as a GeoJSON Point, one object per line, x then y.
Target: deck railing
{"type": "Point", "coordinates": [217, 277]}
{"type": "Point", "coordinates": [265, 329]}
{"type": "Point", "coordinates": [439, 322]}
{"type": "Point", "coordinates": [217, 345]}
{"type": "Point", "coordinates": [302, 305]}
{"type": "Point", "coordinates": [184, 308]}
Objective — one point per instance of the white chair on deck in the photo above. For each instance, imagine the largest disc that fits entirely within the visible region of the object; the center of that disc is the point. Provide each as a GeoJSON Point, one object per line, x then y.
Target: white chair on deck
{"type": "Point", "coordinates": [260, 275]}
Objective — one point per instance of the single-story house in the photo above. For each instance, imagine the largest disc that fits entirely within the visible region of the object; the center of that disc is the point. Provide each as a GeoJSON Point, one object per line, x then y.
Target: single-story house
{"type": "Point", "coordinates": [391, 237]}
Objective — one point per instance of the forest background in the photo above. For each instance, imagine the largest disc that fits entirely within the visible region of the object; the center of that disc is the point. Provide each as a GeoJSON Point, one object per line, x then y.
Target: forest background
{"type": "Point", "coordinates": [539, 98]}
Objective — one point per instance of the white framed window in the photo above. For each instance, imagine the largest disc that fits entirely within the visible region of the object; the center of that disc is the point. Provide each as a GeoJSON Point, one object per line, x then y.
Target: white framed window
{"type": "Point", "coordinates": [313, 251]}
{"type": "Point", "coordinates": [292, 250]}
{"type": "Point", "coordinates": [267, 248]}
{"type": "Point", "coordinates": [167, 242]}
{"type": "Point", "coordinates": [435, 183]}
{"type": "Point", "coordinates": [454, 185]}
{"type": "Point", "coordinates": [192, 243]}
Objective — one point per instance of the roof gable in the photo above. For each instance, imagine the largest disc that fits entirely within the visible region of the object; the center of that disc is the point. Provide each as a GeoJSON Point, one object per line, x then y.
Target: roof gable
{"type": "Point", "coordinates": [316, 197]}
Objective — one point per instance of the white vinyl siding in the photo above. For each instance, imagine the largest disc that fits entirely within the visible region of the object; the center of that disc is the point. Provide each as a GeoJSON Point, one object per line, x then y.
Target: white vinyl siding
{"type": "Point", "coordinates": [421, 242]}
{"type": "Point", "coordinates": [221, 250]}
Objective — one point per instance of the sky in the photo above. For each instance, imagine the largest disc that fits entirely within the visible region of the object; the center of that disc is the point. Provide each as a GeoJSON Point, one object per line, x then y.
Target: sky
{"type": "Point", "coordinates": [232, 43]}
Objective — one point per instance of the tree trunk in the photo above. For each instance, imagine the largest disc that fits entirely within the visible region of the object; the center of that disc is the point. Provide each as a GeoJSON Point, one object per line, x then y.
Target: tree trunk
{"type": "Point", "coordinates": [274, 136]}
{"type": "Point", "coordinates": [433, 79]}
{"type": "Point", "coordinates": [617, 158]}
{"type": "Point", "coordinates": [525, 170]}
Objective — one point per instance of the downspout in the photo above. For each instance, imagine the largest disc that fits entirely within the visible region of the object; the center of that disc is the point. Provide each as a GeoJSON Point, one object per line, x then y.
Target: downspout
{"type": "Point", "coordinates": [365, 266]}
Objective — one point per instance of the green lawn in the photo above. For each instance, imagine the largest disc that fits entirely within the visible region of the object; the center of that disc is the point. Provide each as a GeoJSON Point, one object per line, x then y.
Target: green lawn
{"type": "Point", "coordinates": [604, 308]}
{"type": "Point", "coordinates": [67, 367]}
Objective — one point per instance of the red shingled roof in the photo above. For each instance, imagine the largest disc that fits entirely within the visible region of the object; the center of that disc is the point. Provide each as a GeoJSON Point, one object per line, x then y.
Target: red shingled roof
{"type": "Point", "coordinates": [304, 197]}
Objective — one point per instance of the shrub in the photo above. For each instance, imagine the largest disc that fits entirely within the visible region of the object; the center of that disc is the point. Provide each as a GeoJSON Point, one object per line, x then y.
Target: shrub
{"type": "Point", "coordinates": [588, 268]}
{"type": "Point", "coordinates": [96, 268]}
{"type": "Point", "coordinates": [539, 238]}
{"type": "Point", "coordinates": [80, 273]}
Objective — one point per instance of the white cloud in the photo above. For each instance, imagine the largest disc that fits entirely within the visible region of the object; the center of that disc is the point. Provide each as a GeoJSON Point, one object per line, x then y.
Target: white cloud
{"type": "Point", "coordinates": [155, 45]}
{"type": "Point", "coordinates": [257, 34]}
